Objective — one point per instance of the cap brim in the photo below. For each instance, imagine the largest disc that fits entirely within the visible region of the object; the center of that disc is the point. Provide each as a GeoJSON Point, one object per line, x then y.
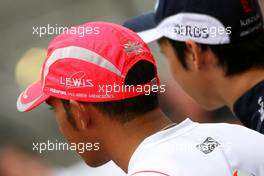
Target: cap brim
{"type": "Point", "coordinates": [31, 97]}
{"type": "Point", "coordinates": [145, 26]}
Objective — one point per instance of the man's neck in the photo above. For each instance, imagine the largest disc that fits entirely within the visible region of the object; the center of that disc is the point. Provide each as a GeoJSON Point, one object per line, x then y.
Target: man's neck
{"type": "Point", "coordinates": [231, 89]}
{"type": "Point", "coordinates": [123, 139]}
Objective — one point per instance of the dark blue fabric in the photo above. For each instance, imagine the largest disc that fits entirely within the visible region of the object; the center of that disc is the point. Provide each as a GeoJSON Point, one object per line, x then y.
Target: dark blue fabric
{"type": "Point", "coordinates": [249, 108]}
{"type": "Point", "coordinates": [141, 23]}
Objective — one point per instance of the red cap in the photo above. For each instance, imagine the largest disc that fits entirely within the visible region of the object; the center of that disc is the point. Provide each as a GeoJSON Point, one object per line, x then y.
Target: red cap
{"type": "Point", "coordinates": [90, 66]}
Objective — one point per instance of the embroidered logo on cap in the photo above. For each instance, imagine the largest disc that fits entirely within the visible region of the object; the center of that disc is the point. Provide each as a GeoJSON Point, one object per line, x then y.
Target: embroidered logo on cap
{"type": "Point", "coordinates": [131, 48]}
{"type": "Point", "coordinates": [248, 5]}
{"type": "Point", "coordinates": [77, 80]}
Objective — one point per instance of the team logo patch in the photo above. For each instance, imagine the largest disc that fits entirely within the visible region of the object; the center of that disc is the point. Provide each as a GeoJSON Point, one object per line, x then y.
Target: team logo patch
{"type": "Point", "coordinates": [208, 145]}
{"type": "Point", "coordinates": [248, 5]}
{"type": "Point", "coordinates": [133, 48]}
{"type": "Point", "coordinates": [241, 173]}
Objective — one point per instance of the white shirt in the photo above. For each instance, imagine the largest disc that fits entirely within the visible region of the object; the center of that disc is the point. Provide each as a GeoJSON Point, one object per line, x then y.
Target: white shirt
{"type": "Point", "coordinates": [193, 149]}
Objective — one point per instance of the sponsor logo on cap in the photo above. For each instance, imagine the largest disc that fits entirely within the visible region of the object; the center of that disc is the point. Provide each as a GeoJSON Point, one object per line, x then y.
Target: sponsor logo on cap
{"type": "Point", "coordinates": [208, 145]}
{"type": "Point", "coordinates": [133, 48]}
{"type": "Point", "coordinates": [191, 31]}
{"type": "Point", "coordinates": [249, 21]}
{"type": "Point", "coordinates": [25, 95]}
{"type": "Point", "coordinates": [197, 27]}
{"type": "Point", "coordinates": [248, 5]}
{"type": "Point", "coordinates": [77, 80]}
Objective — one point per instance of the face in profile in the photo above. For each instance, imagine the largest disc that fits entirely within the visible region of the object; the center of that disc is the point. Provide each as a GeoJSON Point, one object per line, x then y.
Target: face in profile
{"type": "Point", "coordinates": [80, 133]}
{"type": "Point", "coordinates": [196, 79]}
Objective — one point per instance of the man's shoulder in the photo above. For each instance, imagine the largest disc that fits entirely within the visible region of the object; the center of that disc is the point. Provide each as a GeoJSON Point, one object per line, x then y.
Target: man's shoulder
{"type": "Point", "coordinates": [189, 159]}
{"type": "Point", "coordinates": [205, 148]}
{"type": "Point", "coordinates": [175, 155]}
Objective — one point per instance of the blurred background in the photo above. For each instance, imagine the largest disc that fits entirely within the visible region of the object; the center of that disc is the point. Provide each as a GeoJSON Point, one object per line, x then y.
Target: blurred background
{"type": "Point", "coordinates": [21, 56]}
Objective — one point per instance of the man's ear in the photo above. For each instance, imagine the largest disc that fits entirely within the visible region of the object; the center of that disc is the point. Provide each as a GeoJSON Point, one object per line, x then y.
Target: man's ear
{"type": "Point", "coordinates": [194, 55]}
{"type": "Point", "coordinates": [81, 116]}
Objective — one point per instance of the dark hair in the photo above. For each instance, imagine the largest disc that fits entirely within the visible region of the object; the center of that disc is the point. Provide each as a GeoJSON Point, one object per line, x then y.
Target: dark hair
{"type": "Point", "coordinates": [235, 58]}
{"type": "Point", "coordinates": [125, 110]}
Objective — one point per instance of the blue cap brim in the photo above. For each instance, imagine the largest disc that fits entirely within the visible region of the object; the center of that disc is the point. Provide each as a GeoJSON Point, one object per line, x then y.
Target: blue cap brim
{"type": "Point", "coordinates": [145, 26]}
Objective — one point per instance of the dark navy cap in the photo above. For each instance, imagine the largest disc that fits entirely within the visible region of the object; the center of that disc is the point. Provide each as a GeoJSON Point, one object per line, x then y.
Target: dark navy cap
{"type": "Point", "coordinates": [203, 21]}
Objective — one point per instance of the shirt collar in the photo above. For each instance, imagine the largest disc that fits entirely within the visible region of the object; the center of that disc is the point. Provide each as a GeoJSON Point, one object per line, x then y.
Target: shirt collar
{"type": "Point", "coordinates": [177, 130]}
